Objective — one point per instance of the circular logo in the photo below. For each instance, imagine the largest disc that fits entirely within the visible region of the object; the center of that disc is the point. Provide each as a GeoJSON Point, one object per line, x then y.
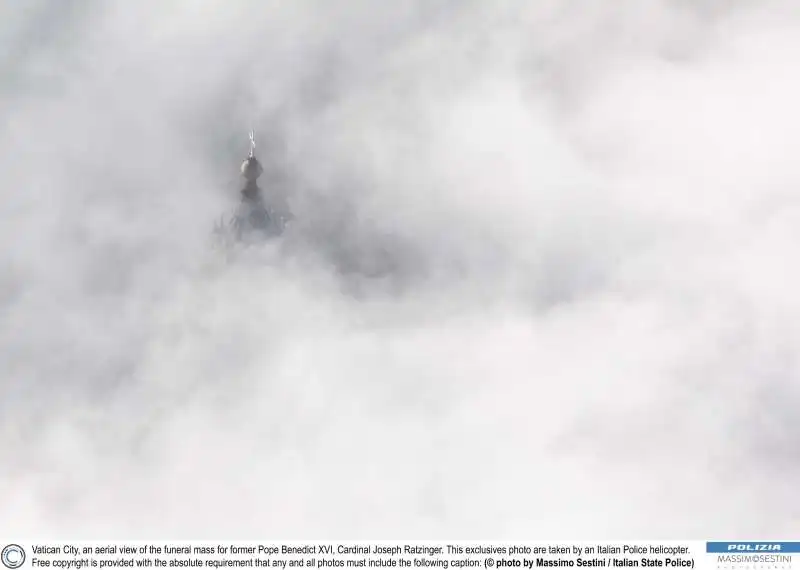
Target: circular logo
{"type": "Point", "coordinates": [13, 556]}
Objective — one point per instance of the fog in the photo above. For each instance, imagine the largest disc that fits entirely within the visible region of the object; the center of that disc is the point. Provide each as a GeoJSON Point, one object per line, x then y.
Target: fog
{"type": "Point", "coordinates": [545, 284]}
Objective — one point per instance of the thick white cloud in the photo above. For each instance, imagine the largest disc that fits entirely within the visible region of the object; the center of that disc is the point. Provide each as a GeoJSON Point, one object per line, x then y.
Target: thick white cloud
{"type": "Point", "coordinates": [544, 283]}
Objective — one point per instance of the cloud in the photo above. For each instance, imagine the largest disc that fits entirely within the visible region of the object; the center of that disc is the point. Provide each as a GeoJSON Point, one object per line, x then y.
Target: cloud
{"type": "Point", "coordinates": [541, 281]}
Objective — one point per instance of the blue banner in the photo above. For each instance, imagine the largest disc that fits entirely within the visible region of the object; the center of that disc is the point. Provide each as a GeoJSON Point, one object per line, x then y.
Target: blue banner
{"type": "Point", "coordinates": [751, 547]}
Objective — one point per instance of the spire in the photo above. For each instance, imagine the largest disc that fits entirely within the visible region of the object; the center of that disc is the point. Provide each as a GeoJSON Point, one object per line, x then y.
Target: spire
{"type": "Point", "coordinates": [251, 168]}
{"type": "Point", "coordinates": [253, 220]}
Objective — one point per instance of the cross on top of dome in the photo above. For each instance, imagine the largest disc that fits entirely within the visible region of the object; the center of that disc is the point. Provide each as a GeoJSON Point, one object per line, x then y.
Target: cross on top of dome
{"type": "Point", "coordinates": [251, 168]}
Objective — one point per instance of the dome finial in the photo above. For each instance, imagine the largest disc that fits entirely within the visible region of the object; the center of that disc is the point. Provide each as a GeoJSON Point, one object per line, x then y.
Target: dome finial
{"type": "Point", "coordinates": [251, 168]}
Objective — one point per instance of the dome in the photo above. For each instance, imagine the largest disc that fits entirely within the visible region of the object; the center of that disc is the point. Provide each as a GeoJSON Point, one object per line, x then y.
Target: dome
{"type": "Point", "coordinates": [251, 168]}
